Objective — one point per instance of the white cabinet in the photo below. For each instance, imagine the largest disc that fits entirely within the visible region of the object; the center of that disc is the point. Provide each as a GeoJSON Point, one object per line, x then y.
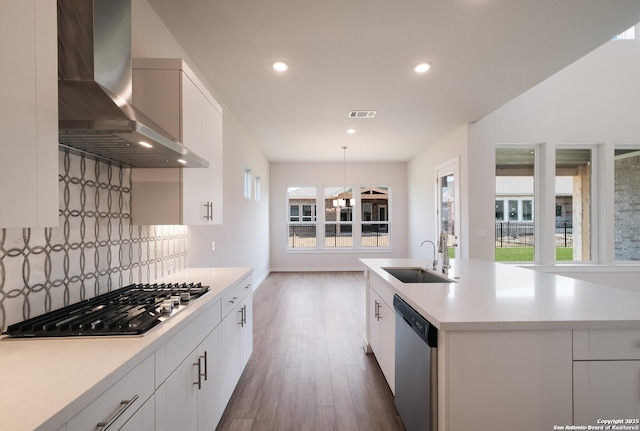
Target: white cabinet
{"type": "Point", "coordinates": [605, 390]}
{"type": "Point", "coordinates": [382, 326]}
{"type": "Point", "coordinates": [29, 113]}
{"type": "Point", "coordinates": [210, 402]}
{"type": "Point", "coordinates": [230, 354]}
{"type": "Point", "coordinates": [144, 419]}
{"type": "Point", "coordinates": [119, 403]}
{"type": "Point", "coordinates": [188, 400]}
{"type": "Point", "coordinates": [202, 384]}
{"type": "Point", "coordinates": [236, 336]}
{"type": "Point", "coordinates": [606, 375]}
{"type": "Point", "coordinates": [491, 380]}
{"type": "Point", "coordinates": [185, 109]}
{"type": "Point", "coordinates": [246, 333]}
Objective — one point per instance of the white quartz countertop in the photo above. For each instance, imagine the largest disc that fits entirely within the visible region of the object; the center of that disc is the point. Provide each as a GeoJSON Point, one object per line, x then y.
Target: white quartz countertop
{"type": "Point", "coordinates": [45, 382]}
{"type": "Point", "coordinates": [494, 296]}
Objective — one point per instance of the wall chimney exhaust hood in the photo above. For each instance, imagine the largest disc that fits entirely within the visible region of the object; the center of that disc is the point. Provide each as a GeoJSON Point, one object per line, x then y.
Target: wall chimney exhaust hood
{"type": "Point", "coordinates": [96, 116]}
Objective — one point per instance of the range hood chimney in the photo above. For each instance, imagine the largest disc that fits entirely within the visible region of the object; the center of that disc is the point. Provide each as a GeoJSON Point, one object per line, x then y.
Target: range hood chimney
{"type": "Point", "coordinates": [95, 90]}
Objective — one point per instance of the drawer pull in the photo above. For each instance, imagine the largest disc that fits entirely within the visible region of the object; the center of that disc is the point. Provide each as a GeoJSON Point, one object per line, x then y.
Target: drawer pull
{"type": "Point", "coordinates": [200, 373]}
{"type": "Point", "coordinates": [209, 207]}
{"type": "Point", "coordinates": [205, 365]}
{"type": "Point", "coordinates": [124, 405]}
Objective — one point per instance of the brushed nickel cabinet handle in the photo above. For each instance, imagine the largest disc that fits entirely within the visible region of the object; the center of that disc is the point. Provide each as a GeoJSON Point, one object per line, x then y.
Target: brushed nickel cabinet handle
{"type": "Point", "coordinates": [205, 365]}
{"type": "Point", "coordinates": [199, 365]}
{"type": "Point", "coordinates": [124, 405]}
{"type": "Point", "coordinates": [209, 208]}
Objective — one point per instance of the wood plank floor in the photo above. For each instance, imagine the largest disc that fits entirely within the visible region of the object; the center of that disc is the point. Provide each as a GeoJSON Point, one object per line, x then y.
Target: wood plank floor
{"type": "Point", "coordinates": [308, 370]}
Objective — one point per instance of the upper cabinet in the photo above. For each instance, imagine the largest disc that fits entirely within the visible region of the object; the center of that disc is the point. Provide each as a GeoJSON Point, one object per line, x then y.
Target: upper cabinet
{"type": "Point", "coordinates": [168, 92]}
{"type": "Point", "coordinates": [28, 114]}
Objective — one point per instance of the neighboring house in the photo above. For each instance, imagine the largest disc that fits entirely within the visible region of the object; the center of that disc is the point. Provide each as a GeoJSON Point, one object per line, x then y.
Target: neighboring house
{"type": "Point", "coordinates": [515, 202]}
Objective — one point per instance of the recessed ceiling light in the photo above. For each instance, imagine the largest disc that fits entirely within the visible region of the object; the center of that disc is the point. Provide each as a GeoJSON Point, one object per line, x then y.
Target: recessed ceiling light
{"type": "Point", "coordinates": [422, 67]}
{"type": "Point", "coordinates": [184, 162]}
{"type": "Point", "coordinates": [145, 144]}
{"type": "Point", "coordinates": [280, 66]}
{"type": "Point", "coordinates": [351, 131]}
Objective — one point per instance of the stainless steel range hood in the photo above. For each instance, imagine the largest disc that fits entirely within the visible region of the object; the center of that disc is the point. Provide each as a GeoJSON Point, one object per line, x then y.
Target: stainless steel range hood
{"type": "Point", "coordinates": [95, 90]}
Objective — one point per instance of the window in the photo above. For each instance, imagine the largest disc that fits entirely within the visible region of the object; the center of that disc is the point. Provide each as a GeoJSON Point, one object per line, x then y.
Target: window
{"type": "Point", "coordinates": [294, 212]}
{"type": "Point", "coordinates": [308, 212]}
{"type": "Point", "coordinates": [302, 217]}
{"type": "Point", "coordinates": [513, 210]}
{"type": "Point", "coordinates": [627, 35]}
{"type": "Point", "coordinates": [626, 203]}
{"type": "Point", "coordinates": [258, 195]}
{"type": "Point", "coordinates": [573, 196]}
{"type": "Point", "coordinates": [375, 217]}
{"type": "Point", "coordinates": [338, 217]}
{"type": "Point", "coordinates": [515, 239]}
{"type": "Point", "coordinates": [527, 210]}
{"type": "Point", "coordinates": [247, 183]}
{"type": "Point", "coordinates": [499, 210]}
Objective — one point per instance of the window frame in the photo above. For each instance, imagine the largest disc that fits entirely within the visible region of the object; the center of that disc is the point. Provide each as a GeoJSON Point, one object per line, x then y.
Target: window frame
{"type": "Point", "coordinates": [355, 223]}
{"type": "Point", "coordinates": [593, 204]}
{"type": "Point", "coordinates": [292, 224]}
{"type": "Point", "coordinates": [386, 223]}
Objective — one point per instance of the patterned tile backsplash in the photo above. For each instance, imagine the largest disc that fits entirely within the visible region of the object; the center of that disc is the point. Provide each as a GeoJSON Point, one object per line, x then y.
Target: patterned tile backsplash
{"type": "Point", "coordinates": [95, 248]}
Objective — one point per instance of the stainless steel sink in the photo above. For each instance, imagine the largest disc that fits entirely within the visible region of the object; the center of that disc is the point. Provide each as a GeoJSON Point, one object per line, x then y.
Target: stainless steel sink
{"type": "Point", "coordinates": [416, 275]}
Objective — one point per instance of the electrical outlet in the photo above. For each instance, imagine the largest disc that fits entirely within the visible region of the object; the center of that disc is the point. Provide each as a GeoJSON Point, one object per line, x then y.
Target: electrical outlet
{"type": "Point", "coordinates": [213, 246]}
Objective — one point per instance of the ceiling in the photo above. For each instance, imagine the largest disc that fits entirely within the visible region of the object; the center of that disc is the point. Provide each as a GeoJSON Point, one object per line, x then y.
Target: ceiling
{"type": "Point", "coordinates": [359, 54]}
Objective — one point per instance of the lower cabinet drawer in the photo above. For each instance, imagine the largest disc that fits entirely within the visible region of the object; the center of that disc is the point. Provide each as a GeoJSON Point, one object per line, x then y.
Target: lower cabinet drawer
{"type": "Point", "coordinates": [235, 294]}
{"type": "Point", "coordinates": [606, 344]}
{"type": "Point", "coordinates": [144, 419]}
{"type": "Point", "coordinates": [117, 404]}
{"type": "Point", "coordinates": [382, 288]}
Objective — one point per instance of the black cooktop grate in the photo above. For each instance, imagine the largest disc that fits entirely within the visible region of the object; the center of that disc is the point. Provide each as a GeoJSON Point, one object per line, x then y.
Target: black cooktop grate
{"type": "Point", "coordinates": [130, 310]}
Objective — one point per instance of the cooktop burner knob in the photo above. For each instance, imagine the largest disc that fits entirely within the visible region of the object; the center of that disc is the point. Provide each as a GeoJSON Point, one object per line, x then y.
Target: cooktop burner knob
{"type": "Point", "coordinates": [175, 299]}
{"type": "Point", "coordinates": [185, 296]}
{"type": "Point", "coordinates": [166, 307]}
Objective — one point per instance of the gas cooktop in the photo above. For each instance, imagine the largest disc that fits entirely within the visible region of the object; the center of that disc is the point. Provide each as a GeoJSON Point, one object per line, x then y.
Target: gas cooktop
{"type": "Point", "coordinates": [130, 310]}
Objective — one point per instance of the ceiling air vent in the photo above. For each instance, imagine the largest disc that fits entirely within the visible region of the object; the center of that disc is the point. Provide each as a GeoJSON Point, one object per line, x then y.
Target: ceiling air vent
{"type": "Point", "coordinates": [362, 114]}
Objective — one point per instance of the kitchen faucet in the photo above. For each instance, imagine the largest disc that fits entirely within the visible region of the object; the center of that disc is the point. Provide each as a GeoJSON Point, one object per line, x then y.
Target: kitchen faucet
{"type": "Point", "coordinates": [435, 257]}
{"type": "Point", "coordinates": [443, 248]}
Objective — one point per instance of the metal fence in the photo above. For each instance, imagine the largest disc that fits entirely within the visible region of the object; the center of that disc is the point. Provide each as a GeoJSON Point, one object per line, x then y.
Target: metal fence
{"type": "Point", "coordinates": [302, 236]}
{"type": "Point", "coordinates": [521, 234]}
{"type": "Point", "coordinates": [338, 235]}
{"type": "Point", "coordinates": [375, 235]}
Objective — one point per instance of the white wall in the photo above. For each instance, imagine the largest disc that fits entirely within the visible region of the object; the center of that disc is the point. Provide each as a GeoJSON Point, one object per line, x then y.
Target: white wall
{"type": "Point", "coordinates": [421, 180]}
{"type": "Point", "coordinates": [243, 239]}
{"type": "Point", "coordinates": [283, 175]}
{"type": "Point", "coordinates": [593, 101]}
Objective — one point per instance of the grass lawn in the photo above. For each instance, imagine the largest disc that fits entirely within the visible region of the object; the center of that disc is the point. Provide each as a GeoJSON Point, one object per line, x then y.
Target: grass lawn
{"type": "Point", "coordinates": [525, 254]}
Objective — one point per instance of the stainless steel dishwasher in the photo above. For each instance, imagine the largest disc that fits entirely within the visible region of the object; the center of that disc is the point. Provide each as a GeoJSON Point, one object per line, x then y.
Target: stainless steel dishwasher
{"type": "Point", "coordinates": [416, 368]}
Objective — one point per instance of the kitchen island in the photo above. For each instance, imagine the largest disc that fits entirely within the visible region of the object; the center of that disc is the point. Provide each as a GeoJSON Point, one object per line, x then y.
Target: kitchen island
{"type": "Point", "coordinates": [517, 348]}
{"type": "Point", "coordinates": [53, 384]}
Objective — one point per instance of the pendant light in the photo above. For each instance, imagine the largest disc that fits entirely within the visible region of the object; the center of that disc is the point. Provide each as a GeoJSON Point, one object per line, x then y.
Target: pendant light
{"type": "Point", "coordinates": [343, 202]}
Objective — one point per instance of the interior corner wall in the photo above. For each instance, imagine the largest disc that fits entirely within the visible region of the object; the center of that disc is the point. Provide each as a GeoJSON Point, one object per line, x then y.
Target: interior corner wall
{"type": "Point", "coordinates": [422, 199]}
{"type": "Point", "coordinates": [243, 239]}
{"type": "Point", "coordinates": [283, 175]}
{"type": "Point", "coordinates": [592, 101]}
